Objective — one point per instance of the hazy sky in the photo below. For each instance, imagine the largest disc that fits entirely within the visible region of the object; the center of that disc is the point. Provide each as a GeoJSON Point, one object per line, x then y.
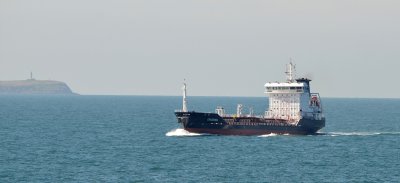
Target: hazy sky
{"type": "Point", "coordinates": [350, 48]}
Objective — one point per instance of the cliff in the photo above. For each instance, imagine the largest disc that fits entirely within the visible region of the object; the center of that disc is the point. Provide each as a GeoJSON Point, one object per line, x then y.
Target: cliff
{"type": "Point", "coordinates": [34, 87]}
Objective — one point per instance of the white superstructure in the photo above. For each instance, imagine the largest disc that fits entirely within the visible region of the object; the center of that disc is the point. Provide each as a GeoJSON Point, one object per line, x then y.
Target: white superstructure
{"type": "Point", "coordinates": [292, 100]}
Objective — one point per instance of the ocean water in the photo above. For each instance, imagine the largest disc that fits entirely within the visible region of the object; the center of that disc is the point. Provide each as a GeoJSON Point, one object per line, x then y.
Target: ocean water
{"type": "Point", "coordinates": [137, 139]}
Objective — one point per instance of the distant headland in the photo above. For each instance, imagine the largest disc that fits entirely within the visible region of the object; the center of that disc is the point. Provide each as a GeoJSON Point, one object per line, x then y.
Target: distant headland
{"type": "Point", "coordinates": [34, 87]}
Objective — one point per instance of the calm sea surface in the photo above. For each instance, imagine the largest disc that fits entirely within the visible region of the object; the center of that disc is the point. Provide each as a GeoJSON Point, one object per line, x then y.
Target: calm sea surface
{"type": "Point", "coordinates": [137, 139]}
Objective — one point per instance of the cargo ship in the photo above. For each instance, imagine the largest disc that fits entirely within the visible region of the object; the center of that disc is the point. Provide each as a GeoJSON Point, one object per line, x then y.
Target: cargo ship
{"type": "Point", "coordinates": [292, 109]}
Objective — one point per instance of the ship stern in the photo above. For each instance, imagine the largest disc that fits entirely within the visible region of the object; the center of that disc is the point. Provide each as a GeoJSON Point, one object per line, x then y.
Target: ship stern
{"type": "Point", "coordinates": [312, 126]}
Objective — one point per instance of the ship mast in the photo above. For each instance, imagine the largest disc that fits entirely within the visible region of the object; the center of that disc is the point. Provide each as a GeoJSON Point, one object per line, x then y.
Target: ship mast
{"type": "Point", "coordinates": [184, 102]}
{"type": "Point", "coordinates": [32, 76]}
{"type": "Point", "coordinates": [290, 69]}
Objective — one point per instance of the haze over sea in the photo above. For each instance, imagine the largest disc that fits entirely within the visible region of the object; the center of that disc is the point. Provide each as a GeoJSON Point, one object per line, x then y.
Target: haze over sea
{"type": "Point", "coordinates": [137, 139]}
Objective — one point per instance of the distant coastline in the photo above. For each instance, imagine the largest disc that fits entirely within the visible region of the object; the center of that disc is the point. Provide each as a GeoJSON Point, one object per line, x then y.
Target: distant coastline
{"type": "Point", "coordinates": [34, 87]}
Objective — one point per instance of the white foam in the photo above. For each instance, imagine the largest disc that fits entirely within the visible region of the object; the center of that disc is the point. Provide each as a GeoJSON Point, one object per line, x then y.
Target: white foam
{"type": "Point", "coordinates": [353, 133]}
{"type": "Point", "coordinates": [335, 134]}
{"type": "Point", "coordinates": [269, 135]}
{"type": "Point", "coordinates": [181, 133]}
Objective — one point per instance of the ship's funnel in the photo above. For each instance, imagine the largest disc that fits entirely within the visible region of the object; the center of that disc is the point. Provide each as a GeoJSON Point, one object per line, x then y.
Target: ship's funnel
{"type": "Point", "coordinates": [306, 82]}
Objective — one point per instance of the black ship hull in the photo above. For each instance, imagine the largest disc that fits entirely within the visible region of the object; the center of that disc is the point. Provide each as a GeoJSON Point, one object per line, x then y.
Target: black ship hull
{"type": "Point", "coordinates": [212, 123]}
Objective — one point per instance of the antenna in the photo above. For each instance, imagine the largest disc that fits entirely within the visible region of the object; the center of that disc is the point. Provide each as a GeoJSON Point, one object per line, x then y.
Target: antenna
{"type": "Point", "coordinates": [31, 75]}
{"type": "Point", "coordinates": [290, 71]}
{"type": "Point", "coordinates": [184, 102]}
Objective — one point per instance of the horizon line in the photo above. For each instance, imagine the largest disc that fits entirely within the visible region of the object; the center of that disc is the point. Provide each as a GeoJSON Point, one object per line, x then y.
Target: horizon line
{"type": "Point", "coordinates": [144, 95]}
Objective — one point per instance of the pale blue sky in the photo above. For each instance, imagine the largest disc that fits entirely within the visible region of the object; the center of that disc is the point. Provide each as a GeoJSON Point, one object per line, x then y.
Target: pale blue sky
{"type": "Point", "coordinates": [350, 48]}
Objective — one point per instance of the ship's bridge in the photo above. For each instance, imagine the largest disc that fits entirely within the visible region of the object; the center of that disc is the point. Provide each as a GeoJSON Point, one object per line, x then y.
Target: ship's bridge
{"type": "Point", "coordinates": [271, 88]}
{"type": "Point", "coordinates": [292, 100]}
{"type": "Point", "coordinates": [284, 100]}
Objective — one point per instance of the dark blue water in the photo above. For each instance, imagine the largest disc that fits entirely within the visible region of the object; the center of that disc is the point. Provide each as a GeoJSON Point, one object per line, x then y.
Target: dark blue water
{"type": "Point", "coordinates": [123, 139]}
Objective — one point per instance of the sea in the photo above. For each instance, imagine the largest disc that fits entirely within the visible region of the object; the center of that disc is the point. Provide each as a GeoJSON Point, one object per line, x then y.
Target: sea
{"type": "Point", "coordinates": [138, 139]}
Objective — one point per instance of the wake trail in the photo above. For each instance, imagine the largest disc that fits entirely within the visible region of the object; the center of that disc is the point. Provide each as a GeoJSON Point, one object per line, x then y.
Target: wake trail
{"type": "Point", "coordinates": [335, 134]}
